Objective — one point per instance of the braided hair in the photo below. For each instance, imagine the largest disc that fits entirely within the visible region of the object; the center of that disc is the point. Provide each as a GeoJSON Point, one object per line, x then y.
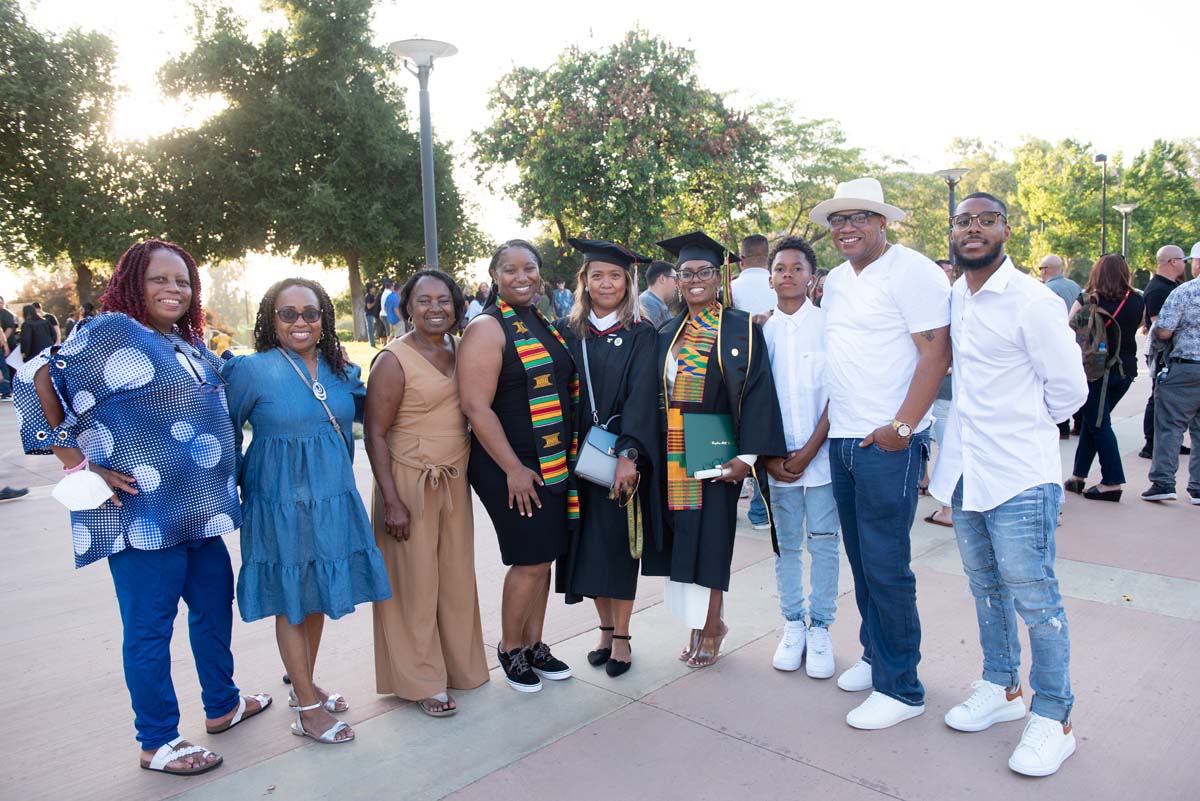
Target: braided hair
{"type": "Point", "coordinates": [494, 292]}
{"type": "Point", "coordinates": [126, 292]}
{"type": "Point", "coordinates": [264, 324]}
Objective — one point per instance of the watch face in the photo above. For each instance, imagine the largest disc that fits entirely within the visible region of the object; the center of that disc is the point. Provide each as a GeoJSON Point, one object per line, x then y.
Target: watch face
{"type": "Point", "coordinates": [904, 430]}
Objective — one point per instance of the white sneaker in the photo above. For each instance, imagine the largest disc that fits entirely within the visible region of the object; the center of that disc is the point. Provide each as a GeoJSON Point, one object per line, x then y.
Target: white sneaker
{"type": "Point", "coordinates": [1045, 745]}
{"type": "Point", "coordinates": [790, 652]}
{"type": "Point", "coordinates": [990, 703]}
{"type": "Point", "coordinates": [820, 653]}
{"type": "Point", "coordinates": [857, 678]}
{"type": "Point", "coordinates": [760, 526]}
{"type": "Point", "coordinates": [880, 711]}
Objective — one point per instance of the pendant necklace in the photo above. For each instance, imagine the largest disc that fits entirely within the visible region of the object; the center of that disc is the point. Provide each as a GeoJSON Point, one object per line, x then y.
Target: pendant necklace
{"type": "Point", "coordinates": [318, 389]}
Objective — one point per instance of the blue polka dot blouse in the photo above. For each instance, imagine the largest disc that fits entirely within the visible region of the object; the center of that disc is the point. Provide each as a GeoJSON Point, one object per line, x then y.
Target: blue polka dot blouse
{"type": "Point", "coordinates": [147, 405]}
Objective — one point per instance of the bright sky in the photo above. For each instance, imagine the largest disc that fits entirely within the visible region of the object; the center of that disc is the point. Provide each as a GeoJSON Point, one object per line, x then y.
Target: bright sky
{"type": "Point", "coordinates": [903, 79]}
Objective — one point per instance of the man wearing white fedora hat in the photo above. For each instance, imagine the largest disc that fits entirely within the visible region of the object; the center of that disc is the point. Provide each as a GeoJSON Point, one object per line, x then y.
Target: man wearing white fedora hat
{"type": "Point", "coordinates": [888, 347]}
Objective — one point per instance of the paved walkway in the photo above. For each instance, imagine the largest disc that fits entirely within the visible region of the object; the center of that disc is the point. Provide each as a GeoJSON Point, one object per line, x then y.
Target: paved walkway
{"type": "Point", "coordinates": [738, 730]}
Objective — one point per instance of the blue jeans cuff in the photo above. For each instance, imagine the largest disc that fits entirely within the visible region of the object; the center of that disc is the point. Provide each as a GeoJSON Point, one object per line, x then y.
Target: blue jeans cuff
{"type": "Point", "coordinates": [1049, 708]}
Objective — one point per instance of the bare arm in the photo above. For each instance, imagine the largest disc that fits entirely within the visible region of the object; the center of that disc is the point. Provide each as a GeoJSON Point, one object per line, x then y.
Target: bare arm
{"type": "Point", "coordinates": [384, 394]}
{"type": "Point", "coordinates": [1164, 333]}
{"type": "Point", "coordinates": [479, 359]}
{"type": "Point", "coordinates": [933, 360]}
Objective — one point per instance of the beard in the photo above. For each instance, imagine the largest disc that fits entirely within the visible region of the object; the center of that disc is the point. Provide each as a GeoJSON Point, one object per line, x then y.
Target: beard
{"type": "Point", "coordinates": [986, 260]}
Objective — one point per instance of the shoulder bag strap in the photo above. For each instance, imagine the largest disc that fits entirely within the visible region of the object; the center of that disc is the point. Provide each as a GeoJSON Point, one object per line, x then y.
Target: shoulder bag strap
{"type": "Point", "coordinates": [307, 383]}
{"type": "Point", "coordinates": [587, 374]}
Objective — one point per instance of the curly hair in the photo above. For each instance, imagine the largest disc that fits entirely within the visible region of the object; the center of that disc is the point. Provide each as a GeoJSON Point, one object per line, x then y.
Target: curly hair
{"type": "Point", "coordinates": [329, 345]}
{"type": "Point", "coordinates": [456, 293]}
{"type": "Point", "coordinates": [126, 292]}
{"type": "Point", "coordinates": [795, 243]}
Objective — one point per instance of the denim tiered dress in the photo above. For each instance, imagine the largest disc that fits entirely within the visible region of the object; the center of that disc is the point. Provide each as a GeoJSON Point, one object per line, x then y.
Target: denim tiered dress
{"type": "Point", "coordinates": [307, 543]}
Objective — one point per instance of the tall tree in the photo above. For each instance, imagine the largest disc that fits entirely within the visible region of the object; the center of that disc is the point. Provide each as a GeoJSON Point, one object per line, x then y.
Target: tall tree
{"type": "Point", "coordinates": [989, 171]}
{"type": "Point", "coordinates": [312, 155]}
{"type": "Point", "coordinates": [623, 143]}
{"type": "Point", "coordinates": [67, 184]}
{"type": "Point", "coordinates": [1162, 181]}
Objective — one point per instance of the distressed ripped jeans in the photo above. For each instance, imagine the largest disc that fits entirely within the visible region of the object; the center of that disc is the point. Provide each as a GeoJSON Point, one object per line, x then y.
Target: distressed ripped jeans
{"type": "Point", "coordinates": [806, 517]}
{"type": "Point", "coordinates": [1008, 556]}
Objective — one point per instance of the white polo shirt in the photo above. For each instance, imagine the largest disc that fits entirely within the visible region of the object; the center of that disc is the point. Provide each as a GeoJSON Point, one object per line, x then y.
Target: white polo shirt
{"type": "Point", "coordinates": [1017, 373]}
{"type": "Point", "coordinates": [870, 320]}
{"type": "Point", "coordinates": [752, 291]}
{"type": "Point", "coordinates": [796, 343]}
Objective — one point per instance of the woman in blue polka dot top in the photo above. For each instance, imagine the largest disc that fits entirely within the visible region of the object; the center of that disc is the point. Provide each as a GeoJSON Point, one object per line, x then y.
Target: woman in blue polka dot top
{"type": "Point", "coordinates": [134, 396]}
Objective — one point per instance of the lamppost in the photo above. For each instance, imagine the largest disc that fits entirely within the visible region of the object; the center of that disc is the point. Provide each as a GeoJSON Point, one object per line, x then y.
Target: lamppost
{"type": "Point", "coordinates": [1126, 209]}
{"type": "Point", "coordinates": [1102, 159]}
{"type": "Point", "coordinates": [421, 54]}
{"type": "Point", "coordinates": [952, 177]}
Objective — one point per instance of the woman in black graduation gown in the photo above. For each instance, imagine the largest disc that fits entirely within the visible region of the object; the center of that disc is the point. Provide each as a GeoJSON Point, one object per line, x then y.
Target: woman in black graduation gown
{"type": "Point", "coordinates": [516, 384]}
{"type": "Point", "coordinates": [712, 360]}
{"type": "Point", "coordinates": [603, 551]}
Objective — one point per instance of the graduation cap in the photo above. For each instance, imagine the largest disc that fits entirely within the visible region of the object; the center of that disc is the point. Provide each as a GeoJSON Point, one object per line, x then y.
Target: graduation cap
{"type": "Point", "coordinates": [608, 252]}
{"type": "Point", "coordinates": [699, 246]}
{"type": "Point", "coordinates": [612, 253]}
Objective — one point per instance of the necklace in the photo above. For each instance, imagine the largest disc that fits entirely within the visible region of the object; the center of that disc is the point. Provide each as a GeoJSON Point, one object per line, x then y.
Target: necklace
{"type": "Point", "coordinates": [318, 390]}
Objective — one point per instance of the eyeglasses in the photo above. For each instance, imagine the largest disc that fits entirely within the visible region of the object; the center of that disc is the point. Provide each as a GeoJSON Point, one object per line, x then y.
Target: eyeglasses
{"type": "Point", "coordinates": [986, 219]}
{"type": "Point", "coordinates": [206, 386]}
{"type": "Point", "coordinates": [290, 315]}
{"type": "Point", "coordinates": [858, 219]}
{"type": "Point", "coordinates": [703, 274]}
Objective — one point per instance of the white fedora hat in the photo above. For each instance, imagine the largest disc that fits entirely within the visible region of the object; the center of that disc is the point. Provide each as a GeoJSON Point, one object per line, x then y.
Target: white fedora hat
{"type": "Point", "coordinates": [861, 194]}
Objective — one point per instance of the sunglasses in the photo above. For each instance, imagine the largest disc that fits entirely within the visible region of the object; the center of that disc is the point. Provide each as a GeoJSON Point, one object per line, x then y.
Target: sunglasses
{"type": "Point", "coordinates": [290, 315]}
{"type": "Point", "coordinates": [206, 386]}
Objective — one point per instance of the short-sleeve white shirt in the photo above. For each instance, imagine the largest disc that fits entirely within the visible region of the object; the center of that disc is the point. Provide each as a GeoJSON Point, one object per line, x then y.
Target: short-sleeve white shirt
{"type": "Point", "coordinates": [796, 343]}
{"type": "Point", "coordinates": [870, 318]}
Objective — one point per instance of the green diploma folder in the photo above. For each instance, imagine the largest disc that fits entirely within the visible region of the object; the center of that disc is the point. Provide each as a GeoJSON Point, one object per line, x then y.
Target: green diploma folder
{"type": "Point", "coordinates": [708, 441]}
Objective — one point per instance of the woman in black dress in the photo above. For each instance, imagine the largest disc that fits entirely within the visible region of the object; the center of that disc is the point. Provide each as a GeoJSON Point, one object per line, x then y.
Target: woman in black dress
{"type": "Point", "coordinates": [1110, 286]}
{"type": "Point", "coordinates": [713, 361]}
{"type": "Point", "coordinates": [517, 383]}
{"type": "Point", "coordinates": [604, 549]}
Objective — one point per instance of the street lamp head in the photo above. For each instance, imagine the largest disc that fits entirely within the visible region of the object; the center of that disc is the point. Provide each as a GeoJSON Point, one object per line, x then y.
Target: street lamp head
{"type": "Point", "coordinates": [1125, 208]}
{"type": "Point", "coordinates": [422, 52]}
{"type": "Point", "coordinates": [1101, 158]}
{"type": "Point", "coordinates": [952, 176]}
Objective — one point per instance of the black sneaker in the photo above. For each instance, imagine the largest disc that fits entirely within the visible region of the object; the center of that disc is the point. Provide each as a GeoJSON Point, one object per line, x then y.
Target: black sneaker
{"type": "Point", "coordinates": [516, 669]}
{"type": "Point", "coordinates": [1184, 450]}
{"type": "Point", "coordinates": [1159, 492]}
{"type": "Point", "coordinates": [10, 494]}
{"type": "Point", "coordinates": [1195, 496]}
{"type": "Point", "coordinates": [546, 664]}
{"type": "Point", "coordinates": [1146, 452]}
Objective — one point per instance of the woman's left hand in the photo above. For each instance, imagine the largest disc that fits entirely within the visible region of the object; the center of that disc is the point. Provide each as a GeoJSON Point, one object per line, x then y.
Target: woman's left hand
{"type": "Point", "coordinates": [626, 477]}
{"type": "Point", "coordinates": [734, 471]}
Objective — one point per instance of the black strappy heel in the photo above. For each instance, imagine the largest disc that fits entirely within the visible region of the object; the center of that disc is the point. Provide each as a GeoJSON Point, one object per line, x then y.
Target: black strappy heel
{"type": "Point", "coordinates": [616, 667]}
{"type": "Point", "coordinates": [600, 655]}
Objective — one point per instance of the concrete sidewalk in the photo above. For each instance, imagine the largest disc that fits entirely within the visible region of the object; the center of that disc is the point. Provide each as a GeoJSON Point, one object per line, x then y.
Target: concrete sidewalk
{"type": "Point", "coordinates": [738, 730]}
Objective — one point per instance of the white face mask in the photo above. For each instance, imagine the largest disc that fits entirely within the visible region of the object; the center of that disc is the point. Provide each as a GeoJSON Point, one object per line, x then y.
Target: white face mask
{"type": "Point", "coordinates": [82, 491]}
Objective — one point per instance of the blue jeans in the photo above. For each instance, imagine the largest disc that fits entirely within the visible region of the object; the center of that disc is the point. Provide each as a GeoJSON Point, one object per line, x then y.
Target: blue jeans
{"type": "Point", "coordinates": [149, 585]}
{"type": "Point", "coordinates": [758, 509]}
{"type": "Point", "coordinates": [806, 514]}
{"type": "Point", "coordinates": [1099, 439]}
{"type": "Point", "coordinates": [876, 494]}
{"type": "Point", "coordinates": [372, 322]}
{"type": "Point", "coordinates": [1008, 555]}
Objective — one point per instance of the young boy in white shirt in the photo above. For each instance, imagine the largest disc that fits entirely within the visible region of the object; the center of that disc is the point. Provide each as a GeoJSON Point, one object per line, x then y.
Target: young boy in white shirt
{"type": "Point", "coordinates": [801, 489]}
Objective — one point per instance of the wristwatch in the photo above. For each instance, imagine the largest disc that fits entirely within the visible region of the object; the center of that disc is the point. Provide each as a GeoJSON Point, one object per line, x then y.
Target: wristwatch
{"type": "Point", "coordinates": [903, 430]}
{"type": "Point", "coordinates": [629, 453]}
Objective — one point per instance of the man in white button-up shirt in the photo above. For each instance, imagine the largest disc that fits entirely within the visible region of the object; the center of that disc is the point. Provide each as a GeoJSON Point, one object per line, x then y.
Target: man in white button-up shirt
{"type": "Point", "coordinates": [1017, 373]}
{"type": "Point", "coordinates": [801, 489]}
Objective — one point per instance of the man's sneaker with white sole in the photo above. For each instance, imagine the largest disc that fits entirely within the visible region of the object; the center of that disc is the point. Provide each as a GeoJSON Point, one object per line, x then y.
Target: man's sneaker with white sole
{"type": "Point", "coordinates": [857, 678]}
{"type": "Point", "coordinates": [790, 652]}
{"type": "Point", "coordinates": [819, 644]}
{"type": "Point", "coordinates": [1045, 745]}
{"type": "Point", "coordinates": [989, 704]}
{"type": "Point", "coordinates": [881, 711]}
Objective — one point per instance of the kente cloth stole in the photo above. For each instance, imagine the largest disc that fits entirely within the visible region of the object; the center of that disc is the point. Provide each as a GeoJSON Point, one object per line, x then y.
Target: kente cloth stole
{"type": "Point", "coordinates": [545, 405]}
{"type": "Point", "coordinates": [699, 338]}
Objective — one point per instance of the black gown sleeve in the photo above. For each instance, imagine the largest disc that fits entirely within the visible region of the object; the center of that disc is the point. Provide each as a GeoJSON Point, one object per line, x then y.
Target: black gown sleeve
{"type": "Point", "coordinates": [761, 429]}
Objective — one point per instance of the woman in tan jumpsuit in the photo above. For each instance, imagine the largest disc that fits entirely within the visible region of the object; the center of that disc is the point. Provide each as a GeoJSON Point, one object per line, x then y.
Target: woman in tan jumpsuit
{"type": "Point", "coordinates": [428, 637]}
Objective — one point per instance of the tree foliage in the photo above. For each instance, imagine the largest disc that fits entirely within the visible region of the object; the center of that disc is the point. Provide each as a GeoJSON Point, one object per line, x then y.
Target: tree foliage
{"type": "Point", "coordinates": [68, 186]}
{"type": "Point", "coordinates": [312, 156]}
{"type": "Point", "coordinates": [1162, 181]}
{"type": "Point", "coordinates": [623, 144]}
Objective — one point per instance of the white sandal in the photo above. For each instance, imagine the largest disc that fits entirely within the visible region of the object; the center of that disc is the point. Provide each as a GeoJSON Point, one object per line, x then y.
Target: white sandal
{"type": "Point", "coordinates": [330, 702]}
{"type": "Point", "coordinates": [166, 754]}
{"type": "Point", "coordinates": [264, 701]}
{"type": "Point", "coordinates": [330, 735]}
